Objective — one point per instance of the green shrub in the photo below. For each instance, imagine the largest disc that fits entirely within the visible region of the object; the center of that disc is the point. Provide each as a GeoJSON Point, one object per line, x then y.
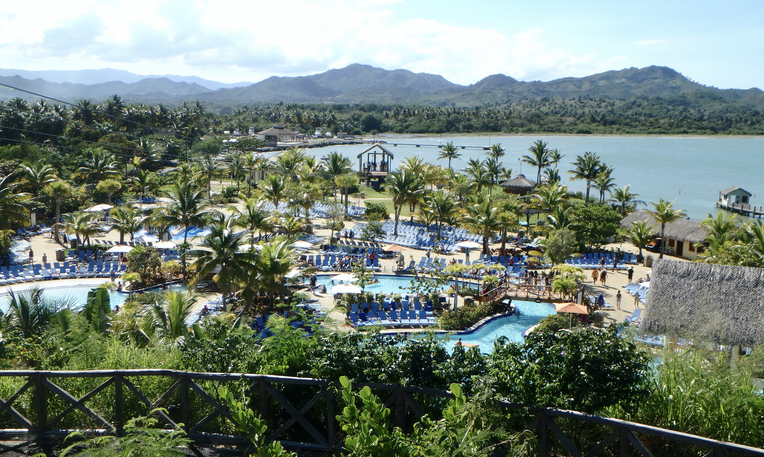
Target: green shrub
{"type": "Point", "coordinates": [465, 316]}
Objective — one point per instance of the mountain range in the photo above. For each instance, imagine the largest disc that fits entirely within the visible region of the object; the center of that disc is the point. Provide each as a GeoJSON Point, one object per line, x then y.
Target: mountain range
{"type": "Point", "coordinates": [358, 84]}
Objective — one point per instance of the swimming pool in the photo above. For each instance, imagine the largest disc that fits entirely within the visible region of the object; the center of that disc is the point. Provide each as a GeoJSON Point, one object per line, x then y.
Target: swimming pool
{"type": "Point", "coordinates": [387, 284]}
{"type": "Point", "coordinates": [72, 294]}
{"type": "Point", "coordinates": [511, 327]}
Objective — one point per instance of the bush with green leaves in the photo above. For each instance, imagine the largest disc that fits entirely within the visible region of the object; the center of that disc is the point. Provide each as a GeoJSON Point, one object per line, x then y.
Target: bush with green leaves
{"type": "Point", "coordinates": [375, 211]}
{"type": "Point", "coordinates": [585, 370]}
{"type": "Point", "coordinates": [465, 316]}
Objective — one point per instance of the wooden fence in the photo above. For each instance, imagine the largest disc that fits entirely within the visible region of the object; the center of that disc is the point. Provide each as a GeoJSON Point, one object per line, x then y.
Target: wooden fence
{"type": "Point", "coordinates": [38, 409]}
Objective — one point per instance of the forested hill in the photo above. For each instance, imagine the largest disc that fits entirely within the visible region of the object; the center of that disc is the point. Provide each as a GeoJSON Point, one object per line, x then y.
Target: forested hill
{"type": "Point", "coordinates": [362, 84]}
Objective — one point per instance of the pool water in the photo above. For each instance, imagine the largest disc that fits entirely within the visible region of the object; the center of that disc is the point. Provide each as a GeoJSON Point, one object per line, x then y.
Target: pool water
{"type": "Point", "coordinates": [72, 295]}
{"type": "Point", "coordinates": [511, 327]}
{"type": "Point", "coordinates": [388, 284]}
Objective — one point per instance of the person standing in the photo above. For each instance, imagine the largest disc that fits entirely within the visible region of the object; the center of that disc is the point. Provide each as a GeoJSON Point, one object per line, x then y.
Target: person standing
{"type": "Point", "coordinates": [618, 301]}
{"type": "Point", "coordinates": [595, 276]}
{"type": "Point", "coordinates": [631, 273]}
{"type": "Point", "coordinates": [603, 276]}
{"type": "Point", "coordinates": [467, 255]}
{"type": "Point", "coordinates": [44, 258]}
{"type": "Point", "coordinates": [31, 255]}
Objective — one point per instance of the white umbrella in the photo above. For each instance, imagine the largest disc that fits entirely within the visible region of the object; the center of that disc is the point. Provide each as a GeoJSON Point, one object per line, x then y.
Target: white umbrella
{"type": "Point", "coordinates": [119, 249]}
{"type": "Point", "coordinates": [346, 289]}
{"type": "Point", "coordinates": [99, 208]}
{"type": "Point", "coordinates": [150, 238]}
{"type": "Point", "coordinates": [469, 245]}
{"type": "Point", "coordinates": [293, 273]}
{"type": "Point", "coordinates": [344, 277]}
{"type": "Point", "coordinates": [302, 245]}
{"type": "Point", "coordinates": [165, 245]}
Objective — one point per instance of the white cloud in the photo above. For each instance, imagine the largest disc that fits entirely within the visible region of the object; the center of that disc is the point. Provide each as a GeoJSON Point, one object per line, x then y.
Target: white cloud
{"type": "Point", "coordinates": [243, 40]}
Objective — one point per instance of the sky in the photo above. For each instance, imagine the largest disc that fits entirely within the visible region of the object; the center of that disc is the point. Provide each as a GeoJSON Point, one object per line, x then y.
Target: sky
{"type": "Point", "coordinates": [715, 43]}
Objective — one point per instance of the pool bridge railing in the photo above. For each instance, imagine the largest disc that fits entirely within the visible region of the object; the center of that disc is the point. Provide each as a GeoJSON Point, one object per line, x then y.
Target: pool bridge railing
{"type": "Point", "coordinates": [46, 406]}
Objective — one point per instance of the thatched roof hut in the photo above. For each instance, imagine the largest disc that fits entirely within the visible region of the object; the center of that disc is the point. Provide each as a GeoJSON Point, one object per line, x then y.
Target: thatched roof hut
{"type": "Point", "coordinates": [681, 235]}
{"type": "Point", "coordinates": [719, 303]}
{"type": "Point", "coordinates": [519, 185]}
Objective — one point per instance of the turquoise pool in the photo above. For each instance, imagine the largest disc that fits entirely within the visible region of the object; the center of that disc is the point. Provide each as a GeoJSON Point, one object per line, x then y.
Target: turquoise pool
{"type": "Point", "coordinates": [511, 327]}
{"type": "Point", "coordinates": [387, 284]}
{"type": "Point", "coordinates": [74, 295]}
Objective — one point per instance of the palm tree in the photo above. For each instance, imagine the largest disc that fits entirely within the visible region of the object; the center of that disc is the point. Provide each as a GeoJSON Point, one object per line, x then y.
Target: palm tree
{"type": "Point", "coordinates": [187, 208]}
{"type": "Point", "coordinates": [29, 313]}
{"type": "Point", "coordinates": [538, 157]}
{"type": "Point", "coordinates": [449, 151]}
{"type": "Point", "coordinates": [624, 198]}
{"type": "Point", "coordinates": [82, 225]}
{"type": "Point", "coordinates": [665, 214]}
{"type": "Point", "coordinates": [346, 182]}
{"type": "Point", "coordinates": [274, 188]}
{"type": "Point", "coordinates": [639, 234]}
{"type": "Point", "coordinates": [288, 162]}
{"type": "Point", "coordinates": [109, 187]}
{"type": "Point", "coordinates": [552, 175]}
{"type": "Point", "coordinates": [221, 253]}
{"type": "Point", "coordinates": [604, 182]}
{"type": "Point", "coordinates": [13, 213]}
{"type": "Point", "coordinates": [58, 190]}
{"type": "Point", "coordinates": [550, 196]}
{"type": "Point", "coordinates": [586, 167]}
{"type": "Point", "coordinates": [335, 164]}
{"type": "Point", "coordinates": [167, 319]}
{"type": "Point", "coordinates": [442, 206]}
{"type": "Point", "coordinates": [253, 217]}
{"type": "Point", "coordinates": [720, 228]}
{"type": "Point", "coordinates": [266, 279]}
{"type": "Point", "coordinates": [413, 164]}
{"type": "Point", "coordinates": [483, 218]}
{"type": "Point", "coordinates": [496, 152]}
{"type": "Point", "coordinates": [35, 176]}
{"type": "Point", "coordinates": [209, 169]}
{"type": "Point", "coordinates": [126, 219]}
{"type": "Point", "coordinates": [479, 175]}
{"type": "Point", "coordinates": [555, 157]}
{"type": "Point", "coordinates": [404, 187]}
{"type": "Point", "coordinates": [99, 166]}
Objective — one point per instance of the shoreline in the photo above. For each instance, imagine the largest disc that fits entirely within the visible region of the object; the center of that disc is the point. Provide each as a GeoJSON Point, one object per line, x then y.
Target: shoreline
{"type": "Point", "coordinates": [531, 135]}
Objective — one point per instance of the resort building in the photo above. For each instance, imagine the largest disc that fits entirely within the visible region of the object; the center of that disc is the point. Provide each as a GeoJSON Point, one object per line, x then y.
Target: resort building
{"type": "Point", "coordinates": [707, 302]}
{"type": "Point", "coordinates": [682, 236]}
{"type": "Point", "coordinates": [734, 195]}
{"type": "Point", "coordinates": [278, 134]}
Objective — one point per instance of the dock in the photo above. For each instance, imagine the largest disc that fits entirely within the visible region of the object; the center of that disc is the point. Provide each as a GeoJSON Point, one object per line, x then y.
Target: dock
{"type": "Point", "coordinates": [742, 208]}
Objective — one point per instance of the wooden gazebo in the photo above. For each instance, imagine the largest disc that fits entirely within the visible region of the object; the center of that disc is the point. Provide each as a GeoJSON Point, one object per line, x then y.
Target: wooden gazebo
{"type": "Point", "coordinates": [374, 165]}
{"type": "Point", "coordinates": [519, 185]}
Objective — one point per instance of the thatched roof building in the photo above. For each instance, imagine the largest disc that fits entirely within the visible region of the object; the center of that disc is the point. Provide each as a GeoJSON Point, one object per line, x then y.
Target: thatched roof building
{"type": "Point", "coordinates": [719, 303]}
{"type": "Point", "coordinates": [519, 185]}
{"type": "Point", "coordinates": [682, 235]}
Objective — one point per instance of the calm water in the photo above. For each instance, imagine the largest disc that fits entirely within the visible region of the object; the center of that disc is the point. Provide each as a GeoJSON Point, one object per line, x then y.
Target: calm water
{"type": "Point", "coordinates": [687, 170]}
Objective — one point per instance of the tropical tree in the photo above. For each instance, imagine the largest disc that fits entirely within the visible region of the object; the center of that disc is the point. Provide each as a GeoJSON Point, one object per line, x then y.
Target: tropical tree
{"type": "Point", "coordinates": [126, 219]}
{"type": "Point", "coordinates": [483, 218]}
{"type": "Point", "coordinates": [345, 182]}
{"type": "Point", "coordinates": [720, 228]}
{"type": "Point", "coordinates": [83, 225]}
{"type": "Point", "coordinates": [335, 164]}
{"type": "Point", "coordinates": [586, 168]}
{"type": "Point", "coordinates": [289, 162]}
{"type": "Point", "coordinates": [98, 166]}
{"type": "Point", "coordinates": [665, 214]}
{"type": "Point", "coordinates": [404, 187]}
{"type": "Point", "coordinates": [187, 207]}
{"type": "Point", "coordinates": [443, 208]}
{"type": "Point", "coordinates": [35, 176]}
{"type": "Point", "coordinates": [539, 157]}
{"type": "Point", "coordinates": [639, 234]}
{"type": "Point", "coordinates": [167, 319]}
{"type": "Point", "coordinates": [59, 191]}
{"type": "Point", "coordinates": [221, 253]}
{"type": "Point", "coordinates": [496, 152]}
{"type": "Point", "coordinates": [13, 213]}
{"type": "Point", "coordinates": [449, 151]}
{"type": "Point", "coordinates": [550, 196]}
{"type": "Point", "coordinates": [604, 181]}
{"type": "Point", "coordinates": [254, 217]}
{"type": "Point", "coordinates": [109, 187]}
{"type": "Point", "coordinates": [624, 199]}
{"type": "Point", "coordinates": [274, 189]}
{"type": "Point", "coordinates": [266, 280]}
{"type": "Point", "coordinates": [559, 245]}
{"type": "Point", "coordinates": [209, 169]}
{"type": "Point", "coordinates": [29, 313]}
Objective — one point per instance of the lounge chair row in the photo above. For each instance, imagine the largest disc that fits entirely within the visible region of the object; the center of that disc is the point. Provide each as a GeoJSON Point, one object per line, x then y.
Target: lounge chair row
{"type": "Point", "coordinates": [394, 319]}
{"type": "Point", "coordinates": [39, 272]}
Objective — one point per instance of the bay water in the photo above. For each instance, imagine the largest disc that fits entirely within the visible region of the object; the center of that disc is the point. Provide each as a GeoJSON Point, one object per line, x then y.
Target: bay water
{"type": "Point", "coordinates": [690, 171]}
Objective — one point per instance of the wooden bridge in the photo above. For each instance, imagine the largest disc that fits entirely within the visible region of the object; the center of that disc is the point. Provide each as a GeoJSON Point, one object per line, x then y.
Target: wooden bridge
{"type": "Point", "coordinates": [742, 208]}
{"type": "Point", "coordinates": [40, 408]}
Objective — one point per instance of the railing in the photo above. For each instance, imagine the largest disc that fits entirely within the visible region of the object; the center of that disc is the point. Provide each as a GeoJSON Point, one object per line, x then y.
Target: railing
{"type": "Point", "coordinates": [45, 406]}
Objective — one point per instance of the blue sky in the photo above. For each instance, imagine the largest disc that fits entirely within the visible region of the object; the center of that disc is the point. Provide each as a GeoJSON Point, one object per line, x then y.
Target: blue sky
{"type": "Point", "coordinates": [714, 43]}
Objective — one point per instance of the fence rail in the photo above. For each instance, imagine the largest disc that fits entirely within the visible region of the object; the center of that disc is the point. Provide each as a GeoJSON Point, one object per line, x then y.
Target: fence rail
{"type": "Point", "coordinates": [38, 411]}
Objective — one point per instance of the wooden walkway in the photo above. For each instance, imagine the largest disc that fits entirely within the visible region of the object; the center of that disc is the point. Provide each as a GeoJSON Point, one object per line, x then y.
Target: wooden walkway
{"type": "Point", "coordinates": [742, 208]}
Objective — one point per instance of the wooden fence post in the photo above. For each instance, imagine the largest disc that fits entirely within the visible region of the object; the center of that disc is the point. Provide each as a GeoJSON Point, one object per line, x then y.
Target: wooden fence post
{"type": "Point", "coordinates": [42, 415]}
{"type": "Point", "coordinates": [543, 435]}
{"type": "Point", "coordinates": [623, 442]}
{"type": "Point", "coordinates": [119, 404]}
{"type": "Point", "coordinates": [184, 406]}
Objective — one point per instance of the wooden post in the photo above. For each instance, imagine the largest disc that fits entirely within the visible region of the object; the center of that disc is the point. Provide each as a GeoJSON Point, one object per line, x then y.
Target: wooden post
{"type": "Point", "coordinates": [42, 419]}
{"type": "Point", "coordinates": [543, 435]}
{"type": "Point", "coordinates": [119, 420]}
{"type": "Point", "coordinates": [623, 442]}
{"type": "Point", "coordinates": [184, 404]}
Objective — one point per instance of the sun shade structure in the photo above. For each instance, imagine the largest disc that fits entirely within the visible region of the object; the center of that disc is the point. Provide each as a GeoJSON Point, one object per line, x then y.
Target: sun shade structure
{"type": "Point", "coordinates": [119, 249]}
{"type": "Point", "coordinates": [519, 185]}
{"type": "Point", "coordinates": [719, 303]}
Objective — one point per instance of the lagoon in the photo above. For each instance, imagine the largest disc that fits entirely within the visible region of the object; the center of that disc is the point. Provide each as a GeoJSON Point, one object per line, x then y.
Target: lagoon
{"type": "Point", "coordinates": [687, 170]}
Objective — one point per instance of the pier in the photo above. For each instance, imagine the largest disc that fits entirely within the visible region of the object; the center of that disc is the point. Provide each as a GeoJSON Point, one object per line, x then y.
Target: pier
{"type": "Point", "coordinates": [742, 208]}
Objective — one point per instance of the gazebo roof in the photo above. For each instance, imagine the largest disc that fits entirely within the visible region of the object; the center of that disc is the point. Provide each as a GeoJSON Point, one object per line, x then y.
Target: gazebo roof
{"type": "Point", "coordinates": [277, 130]}
{"type": "Point", "coordinates": [519, 182]}
{"type": "Point", "coordinates": [719, 303]}
{"type": "Point", "coordinates": [682, 229]}
{"type": "Point", "coordinates": [385, 151]}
